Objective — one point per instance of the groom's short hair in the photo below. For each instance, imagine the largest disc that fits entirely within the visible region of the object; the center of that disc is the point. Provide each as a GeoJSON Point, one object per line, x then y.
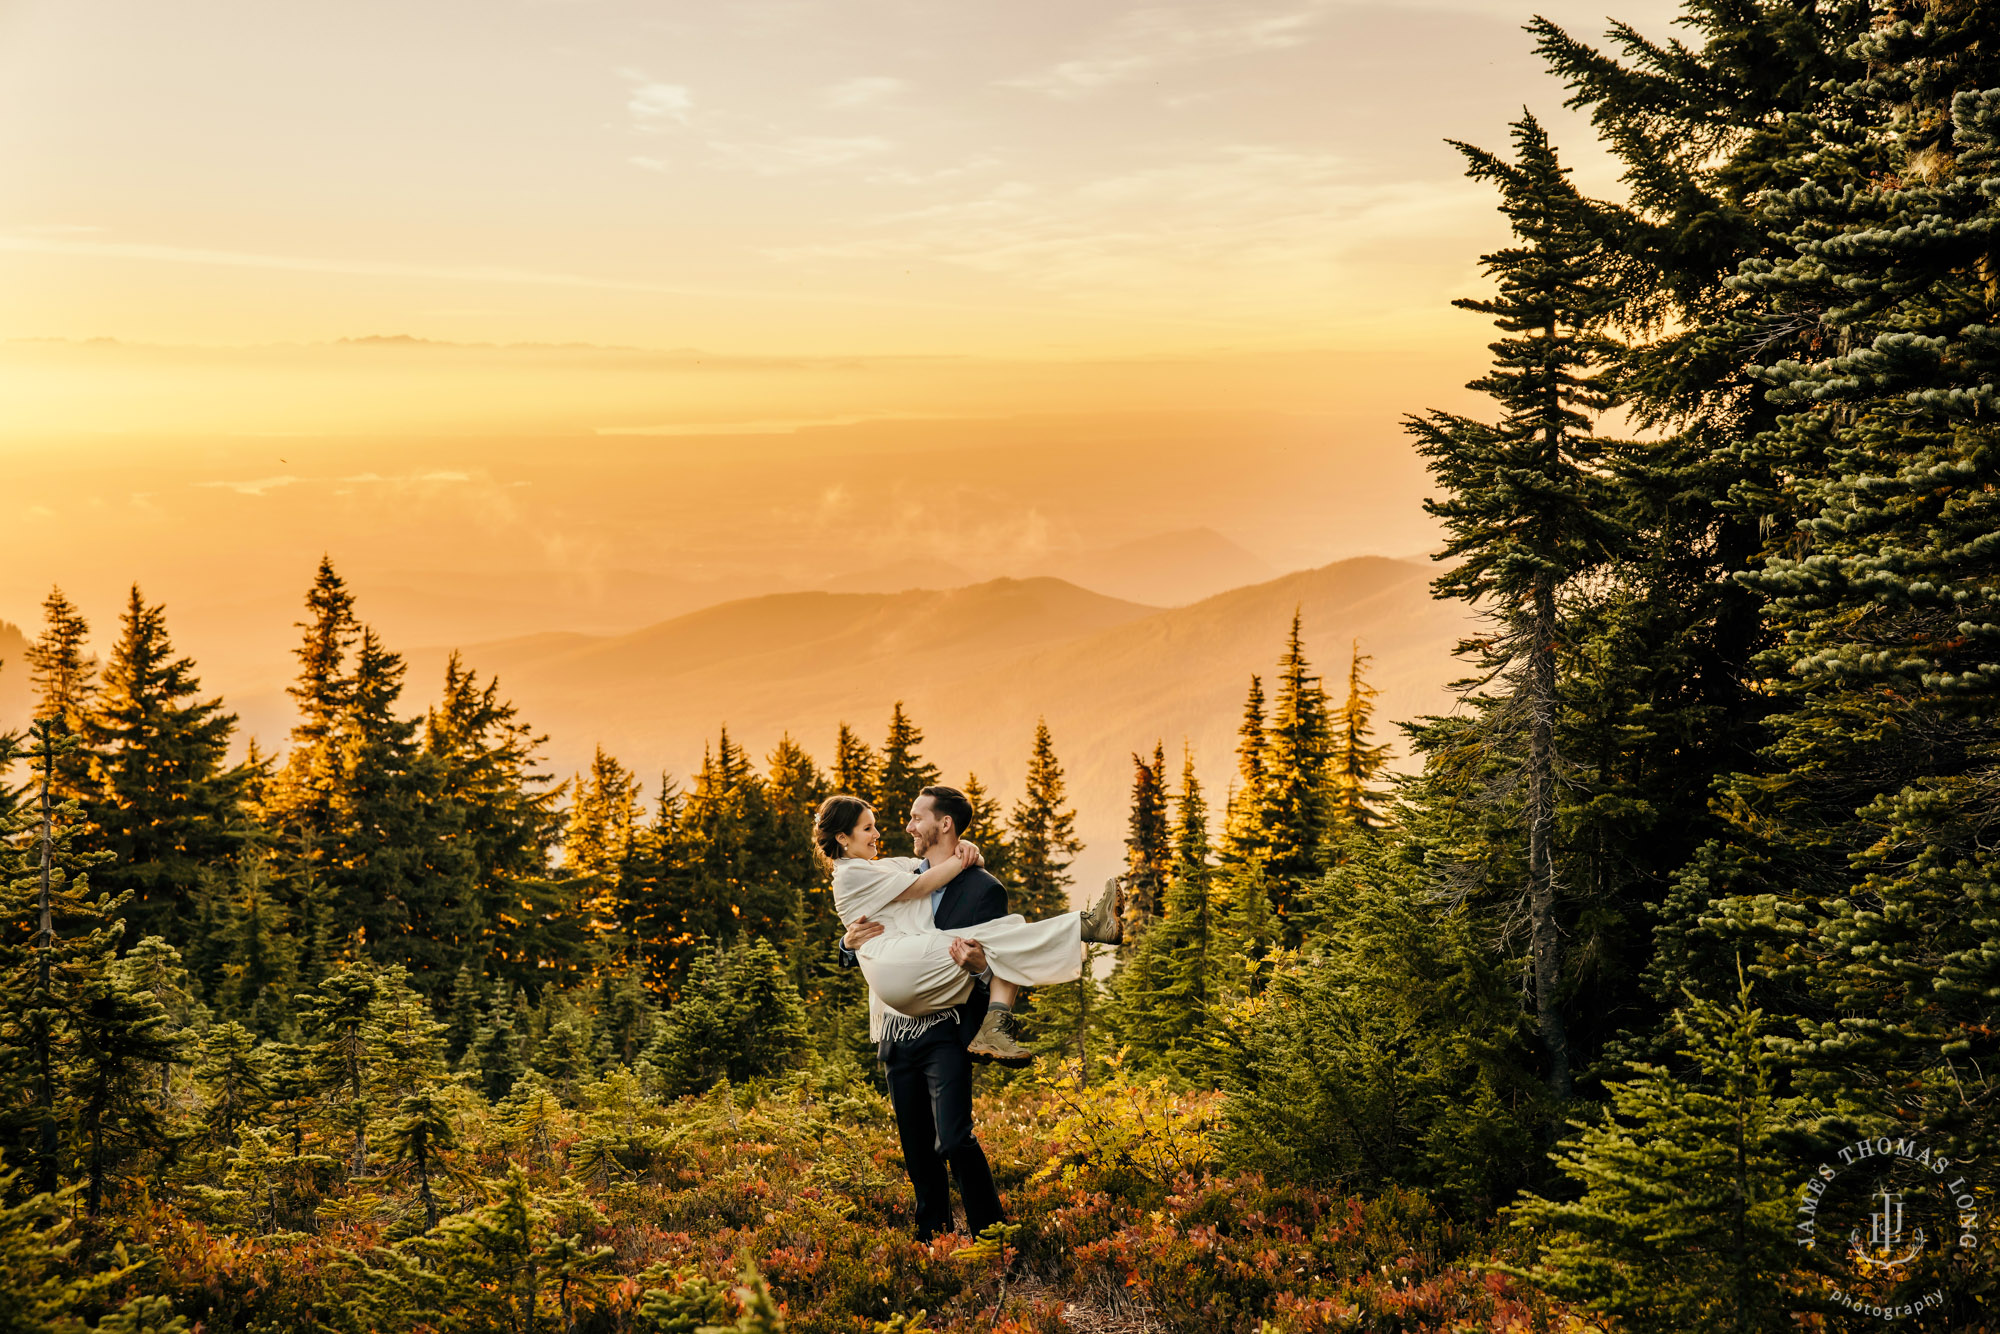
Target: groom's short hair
{"type": "Point", "coordinates": [950, 801]}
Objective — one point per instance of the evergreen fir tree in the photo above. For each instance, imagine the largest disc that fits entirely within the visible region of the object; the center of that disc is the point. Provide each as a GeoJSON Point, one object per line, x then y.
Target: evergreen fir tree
{"type": "Point", "coordinates": [1041, 835]}
{"type": "Point", "coordinates": [1180, 968]}
{"type": "Point", "coordinates": [57, 950]}
{"type": "Point", "coordinates": [161, 795]}
{"type": "Point", "coordinates": [1714, 131]}
{"type": "Point", "coordinates": [855, 766]}
{"type": "Point", "coordinates": [1856, 861]}
{"type": "Point", "coordinates": [120, 1040]}
{"type": "Point", "coordinates": [323, 688]}
{"type": "Point", "coordinates": [494, 1058]}
{"type": "Point", "coordinates": [420, 1146]}
{"type": "Point", "coordinates": [64, 679]}
{"type": "Point", "coordinates": [298, 804]}
{"type": "Point", "coordinates": [902, 776]}
{"type": "Point", "coordinates": [229, 1069]}
{"type": "Point", "coordinates": [500, 823]}
{"type": "Point", "coordinates": [604, 816]}
{"type": "Point", "coordinates": [1358, 763]}
{"type": "Point", "coordinates": [394, 874]}
{"type": "Point", "coordinates": [988, 828]}
{"type": "Point", "coordinates": [1071, 1021]}
{"type": "Point", "coordinates": [338, 1015]}
{"type": "Point", "coordinates": [1244, 834]}
{"type": "Point", "coordinates": [1148, 851]}
{"type": "Point", "coordinates": [1528, 513]}
{"type": "Point", "coordinates": [668, 915]}
{"type": "Point", "coordinates": [1297, 760]}
{"type": "Point", "coordinates": [259, 968]}
{"type": "Point", "coordinates": [409, 1043]}
{"type": "Point", "coordinates": [153, 966]}
{"type": "Point", "coordinates": [739, 1018]}
{"type": "Point", "coordinates": [468, 997]}
{"type": "Point", "coordinates": [1689, 1188]}
{"type": "Point", "coordinates": [794, 787]}
{"type": "Point", "coordinates": [626, 1015]}
{"type": "Point", "coordinates": [735, 885]}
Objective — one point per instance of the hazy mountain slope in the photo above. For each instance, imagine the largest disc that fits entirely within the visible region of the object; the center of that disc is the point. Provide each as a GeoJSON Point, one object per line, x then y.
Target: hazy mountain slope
{"type": "Point", "coordinates": [976, 667]}
{"type": "Point", "coordinates": [16, 692]}
{"type": "Point", "coordinates": [1166, 569]}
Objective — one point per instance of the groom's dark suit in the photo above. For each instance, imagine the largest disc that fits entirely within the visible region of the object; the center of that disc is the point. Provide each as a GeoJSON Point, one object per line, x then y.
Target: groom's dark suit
{"type": "Point", "coordinates": [930, 1082]}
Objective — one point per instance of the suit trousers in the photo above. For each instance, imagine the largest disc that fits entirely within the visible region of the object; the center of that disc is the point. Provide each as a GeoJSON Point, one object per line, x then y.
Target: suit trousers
{"type": "Point", "coordinates": [930, 1088]}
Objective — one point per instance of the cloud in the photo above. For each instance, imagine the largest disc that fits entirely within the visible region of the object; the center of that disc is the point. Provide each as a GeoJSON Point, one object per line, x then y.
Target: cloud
{"type": "Point", "coordinates": [777, 157]}
{"type": "Point", "coordinates": [1249, 225]}
{"type": "Point", "coordinates": [652, 103]}
{"type": "Point", "coordinates": [260, 486]}
{"type": "Point", "coordinates": [1152, 38]}
{"type": "Point", "coordinates": [906, 176]}
{"type": "Point", "coordinates": [762, 426]}
{"type": "Point", "coordinates": [240, 259]}
{"type": "Point", "coordinates": [863, 90]}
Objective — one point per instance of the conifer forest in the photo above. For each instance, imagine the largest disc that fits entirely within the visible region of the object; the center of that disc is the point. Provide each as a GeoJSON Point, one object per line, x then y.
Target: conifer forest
{"type": "Point", "coordinates": [1654, 987]}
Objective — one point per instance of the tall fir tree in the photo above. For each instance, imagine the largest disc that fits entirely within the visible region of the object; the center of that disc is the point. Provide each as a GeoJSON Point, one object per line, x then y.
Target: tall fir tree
{"type": "Point", "coordinates": [1713, 131]}
{"type": "Point", "coordinates": [64, 677]}
{"type": "Point", "coordinates": [796, 787]}
{"type": "Point", "coordinates": [1528, 514]}
{"type": "Point", "coordinates": [299, 802]}
{"type": "Point", "coordinates": [1856, 863]}
{"type": "Point", "coordinates": [667, 918]}
{"type": "Point", "coordinates": [1298, 753]}
{"type": "Point", "coordinates": [1245, 837]}
{"type": "Point", "coordinates": [1041, 835]}
{"type": "Point", "coordinates": [163, 797]}
{"type": "Point", "coordinates": [1179, 969]}
{"type": "Point", "coordinates": [903, 774]}
{"type": "Point", "coordinates": [57, 950]}
{"type": "Point", "coordinates": [378, 879]}
{"type": "Point", "coordinates": [1148, 840]}
{"type": "Point", "coordinates": [604, 818]}
{"type": "Point", "coordinates": [1358, 762]}
{"type": "Point", "coordinates": [988, 828]}
{"type": "Point", "coordinates": [521, 917]}
{"type": "Point", "coordinates": [855, 766]}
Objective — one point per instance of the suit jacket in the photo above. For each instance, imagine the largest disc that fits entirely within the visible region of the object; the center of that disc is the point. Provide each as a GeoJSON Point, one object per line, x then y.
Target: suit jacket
{"type": "Point", "coordinates": [972, 897]}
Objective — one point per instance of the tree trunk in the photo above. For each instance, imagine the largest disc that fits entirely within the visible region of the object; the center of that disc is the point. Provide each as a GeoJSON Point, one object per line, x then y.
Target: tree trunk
{"type": "Point", "coordinates": [1545, 941]}
{"type": "Point", "coordinates": [424, 1187]}
{"type": "Point", "coordinates": [45, 943]}
{"type": "Point", "coordinates": [94, 1200]}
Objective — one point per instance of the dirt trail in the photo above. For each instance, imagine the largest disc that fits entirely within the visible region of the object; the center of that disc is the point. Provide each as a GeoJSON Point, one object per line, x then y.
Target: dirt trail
{"type": "Point", "coordinates": [1090, 1315]}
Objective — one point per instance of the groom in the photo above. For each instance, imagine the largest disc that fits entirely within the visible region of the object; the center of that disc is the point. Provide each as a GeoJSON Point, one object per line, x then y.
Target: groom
{"type": "Point", "coordinates": [928, 1067]}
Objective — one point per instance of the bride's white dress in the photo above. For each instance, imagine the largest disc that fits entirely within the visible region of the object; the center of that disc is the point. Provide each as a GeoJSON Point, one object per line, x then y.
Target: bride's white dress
{"type": "Point", "coordinates": [909, 966]}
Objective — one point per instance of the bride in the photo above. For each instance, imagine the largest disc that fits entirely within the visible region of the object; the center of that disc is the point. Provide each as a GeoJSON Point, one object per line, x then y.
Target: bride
{"type": "Point", "coordinates": [909, 966]}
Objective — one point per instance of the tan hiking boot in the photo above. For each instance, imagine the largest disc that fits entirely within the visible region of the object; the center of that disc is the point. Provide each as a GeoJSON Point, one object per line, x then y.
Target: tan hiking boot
{"type": "Point", "coordinates": [1104, 923]}
{"type": "Point", "coordinates": [994, 1041]}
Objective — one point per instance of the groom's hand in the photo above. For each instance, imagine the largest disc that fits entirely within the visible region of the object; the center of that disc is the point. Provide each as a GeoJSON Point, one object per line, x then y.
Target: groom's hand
{"type": "Point", "coordinates": [969, 955]}
{"type": "Point", "coordinates": [861, 933]}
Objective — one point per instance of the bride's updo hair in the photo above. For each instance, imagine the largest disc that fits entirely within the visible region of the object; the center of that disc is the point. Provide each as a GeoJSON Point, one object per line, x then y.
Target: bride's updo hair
{"type": "Point", "coordinates": [838, 814]}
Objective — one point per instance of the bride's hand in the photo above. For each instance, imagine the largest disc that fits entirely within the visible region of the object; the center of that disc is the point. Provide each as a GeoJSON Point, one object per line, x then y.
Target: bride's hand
{"type": "Point", "coordinates": [968, 853]}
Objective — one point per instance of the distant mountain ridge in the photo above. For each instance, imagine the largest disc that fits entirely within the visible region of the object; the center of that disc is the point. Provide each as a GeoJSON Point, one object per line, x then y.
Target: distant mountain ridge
{"type": "Point", "coordinates": [976, 667]}
{"type": "Point", "coordinates": [1166, 569]}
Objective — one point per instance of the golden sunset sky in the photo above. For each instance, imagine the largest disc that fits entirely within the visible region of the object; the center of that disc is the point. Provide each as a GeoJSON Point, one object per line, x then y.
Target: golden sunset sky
{"type": "Point", "coordinates": [513, 305]}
